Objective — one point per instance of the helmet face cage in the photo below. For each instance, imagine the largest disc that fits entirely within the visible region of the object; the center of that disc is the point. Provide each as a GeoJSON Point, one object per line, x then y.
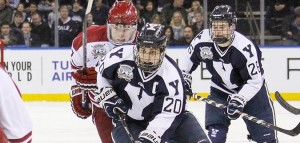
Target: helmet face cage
{"type": "Point", "coordinates": [222, 24]}
{"type": "Point", "coordinates": [122, 23]}
{"type": "Point", "coordinates": [151, 46]}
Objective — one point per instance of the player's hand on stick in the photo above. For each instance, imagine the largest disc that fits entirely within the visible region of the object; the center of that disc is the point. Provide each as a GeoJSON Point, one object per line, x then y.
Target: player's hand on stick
{"type": "Point", "coordinates": [76, 102]}
{"type": "Point", "coordinates": [148, 136]}
{"type": "Point", "coordinates": [188, 84]}
{"type": "Point", "coordinates": [111, 103]}
{"type": "Point", "coordinates": [86, 78]}
{"type": "Point", "coordinates": [235, 105]}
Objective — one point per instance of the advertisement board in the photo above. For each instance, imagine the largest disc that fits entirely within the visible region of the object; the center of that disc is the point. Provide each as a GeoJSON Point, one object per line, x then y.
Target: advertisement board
{"type": "Point", "coordinates": [45, 74]}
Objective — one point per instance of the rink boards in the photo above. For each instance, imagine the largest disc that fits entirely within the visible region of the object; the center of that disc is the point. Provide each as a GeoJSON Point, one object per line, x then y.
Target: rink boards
{"type": "Point", "coordinates": [45, 74]}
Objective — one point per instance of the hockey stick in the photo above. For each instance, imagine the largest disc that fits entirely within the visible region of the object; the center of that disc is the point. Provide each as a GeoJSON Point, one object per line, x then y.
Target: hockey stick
{"type": "Point", "coordinates": [84, 43]}
{"type": "Point", "coordinates": [292, 132]}
{"type": "Point", "coordinates": [286, 105]}
{"type": "Point", "coordinates": [124, 124]}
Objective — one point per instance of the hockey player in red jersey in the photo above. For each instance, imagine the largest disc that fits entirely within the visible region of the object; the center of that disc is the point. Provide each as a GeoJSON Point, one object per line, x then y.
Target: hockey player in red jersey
{"type": "Point", "coordinates": [121, 29]}
{"type": "Point", "coordinates": [15, 121]}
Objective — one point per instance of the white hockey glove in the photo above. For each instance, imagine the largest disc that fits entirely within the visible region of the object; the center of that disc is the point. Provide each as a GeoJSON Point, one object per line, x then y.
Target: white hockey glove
{"type": "Point", "coordinates": [148, 136]}
{"type": "Point", "coordinates": [76, 103]}
{"type": "Point", "coordinates": [187, 84]}
{"type": "Point", "coordinates": [110, 102]}
{"type": "Point", "coordinates": [86, 78]}
{"type": "Point", "coordinates": [235, 105]}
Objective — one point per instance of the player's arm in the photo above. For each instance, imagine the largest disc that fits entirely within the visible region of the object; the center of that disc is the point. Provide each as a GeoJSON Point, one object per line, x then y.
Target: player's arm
{"type": "Point", "coordinates": [251, 71]}
{"type": "Point", "coordinates": [248, 64]}
{"type": "Point", "coordinates": [76, 91]}
{"type": "Point", "coordinates": [189, 62]}
{"type": "Point", "coordinates": [168, 108]}
{"type": "Point", "coordinates": [106, 96]}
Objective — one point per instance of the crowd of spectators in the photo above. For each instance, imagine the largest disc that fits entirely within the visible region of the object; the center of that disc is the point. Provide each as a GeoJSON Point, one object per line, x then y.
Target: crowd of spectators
{"type": "Point", "coordinates": [32, 22]}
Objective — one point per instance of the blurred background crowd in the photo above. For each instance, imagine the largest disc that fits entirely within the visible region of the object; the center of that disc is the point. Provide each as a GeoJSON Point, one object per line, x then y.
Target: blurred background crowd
{"type": "Point", "coordinates": [31, 23]}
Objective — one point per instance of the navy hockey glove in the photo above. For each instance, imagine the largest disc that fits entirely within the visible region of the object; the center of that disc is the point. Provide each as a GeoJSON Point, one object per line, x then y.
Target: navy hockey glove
{"type": "Point", "coordinates": [76, 103]}
{"type": "Point", "coordinates": [148, 136]}
{"type": "Point", "coordinates": [111, 103]}
{"type": "Point", "coordinates": [86, 78]}
{"type": "Point", "coordinates": [187, 84]}
{"type": "Point", "coordinates": [235, 105]}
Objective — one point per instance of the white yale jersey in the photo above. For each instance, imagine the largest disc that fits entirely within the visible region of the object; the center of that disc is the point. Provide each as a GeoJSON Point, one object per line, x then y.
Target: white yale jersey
{"type": "Point", "coordinates": [157, 98]}
{"type": "Point", "coordinates": [238, 69]}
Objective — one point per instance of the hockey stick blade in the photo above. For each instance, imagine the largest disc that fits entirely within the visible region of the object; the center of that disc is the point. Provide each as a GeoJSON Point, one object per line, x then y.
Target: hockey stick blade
{"type": "Point", "coordinates": [293, 132]}
{"type": "Point", "coordinates": [285, 104]}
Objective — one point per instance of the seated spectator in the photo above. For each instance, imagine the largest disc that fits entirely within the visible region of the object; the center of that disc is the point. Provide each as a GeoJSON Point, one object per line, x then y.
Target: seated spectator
{"type": "Point", "coordinates": [41, 29]}
{"type": "Point", "coordinates": [100, 12]}
{"type": "Point", "coordinates": [169, 9]}
{"type": "Point", "coordinates": [196, 7]}
{"type": "Point", "coordinates": [67, 28]}
{"type": "Point", "coordinates": [291, 27]}
{"type": "Point", "coordinates": [177, 23]}
{"type": "Point", "coordinates": [276, 12]}
{"type": "Point", "coordinates": [188, 36]}
{"type": "Point", "coordinates": [157, 19]}
{"type": "Point", "coordinates": [170, 36]}
{"type": "Point", "coordinates": [77, 13]}
{"type": "Point", "coordinates": [21, 9]}
{"type": "Point", "coordinates": [90, 20]}
{"type": "Point", "coordinates": [11, 36]}
{"type": "Point", "coordinates": [17, 20]}
{"type": "Point", "coordinates": [32, 9]}
{"type": "Point", "coordinates": [31, 40]}
{"type": "Point", "coordinates": [6, 12]}
{"type": "Point", "coordinates": [198, 26]}
{"type": "Point", "coordinates": [148, 11]}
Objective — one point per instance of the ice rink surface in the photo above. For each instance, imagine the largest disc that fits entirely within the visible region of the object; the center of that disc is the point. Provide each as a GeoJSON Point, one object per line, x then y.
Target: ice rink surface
{"type": "Point", "coordinates": [54, 122]}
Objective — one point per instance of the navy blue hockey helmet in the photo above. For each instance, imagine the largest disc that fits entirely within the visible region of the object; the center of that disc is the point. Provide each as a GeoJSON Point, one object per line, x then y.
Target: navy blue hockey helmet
{"type": "Point", "coordinates": [151, 45]}
{"type": "Point", "coordinates": [222, 13]}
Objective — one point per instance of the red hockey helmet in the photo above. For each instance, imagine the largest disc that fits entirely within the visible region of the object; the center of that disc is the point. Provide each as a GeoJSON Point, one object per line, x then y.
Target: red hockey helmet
{"type": "Point", "coordinates": [122, 23]}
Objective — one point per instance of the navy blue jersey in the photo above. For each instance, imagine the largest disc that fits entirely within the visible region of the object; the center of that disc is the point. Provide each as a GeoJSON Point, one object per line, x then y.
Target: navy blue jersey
{"type": "Point", "coordinates": [157, 98]}
{"type": "Point", "coordinates": [236, 70]}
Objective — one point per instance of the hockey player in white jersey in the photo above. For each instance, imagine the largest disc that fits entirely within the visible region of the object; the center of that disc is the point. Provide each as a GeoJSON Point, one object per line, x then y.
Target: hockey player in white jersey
{"type": "Point", "coordinates": [144, 83]}
{"type": "Point", "coordinates": [121, 29]}
{"type": "Point", "coordinates": [15, 120]}
{"type": "Point", "coordinates": [237, 77]}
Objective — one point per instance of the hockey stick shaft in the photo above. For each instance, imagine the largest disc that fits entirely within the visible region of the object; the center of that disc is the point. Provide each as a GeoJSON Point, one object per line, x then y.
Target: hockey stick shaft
{"type": "Point", "coordinates": [292, 132]}
{"type": "Point", "coordinates": [124, 124]}
{"type": "Point", "coordinates": [84, 43]}
{"type": "Point", "coordinates": [285, 104]}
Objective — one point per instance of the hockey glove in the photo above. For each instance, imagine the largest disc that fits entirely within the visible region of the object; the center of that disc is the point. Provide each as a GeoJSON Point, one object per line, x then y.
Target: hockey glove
{"type": "Point", "coordinates": [187, 84]}
{"type": "Point", "coordinates": [148, 136]}
{"type": "Point", "coordinates": [86, 78]}
{"type": "Point", "coordinates": [235, 105]}
{"type": "Point", "coordinates": [76, 103]}
{"type": "Point", "coordinates": [111, 103]}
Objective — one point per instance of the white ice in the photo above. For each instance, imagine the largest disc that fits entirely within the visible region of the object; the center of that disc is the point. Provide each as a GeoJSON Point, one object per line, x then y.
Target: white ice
{"type": "Point", "coordinates": [54, 122]}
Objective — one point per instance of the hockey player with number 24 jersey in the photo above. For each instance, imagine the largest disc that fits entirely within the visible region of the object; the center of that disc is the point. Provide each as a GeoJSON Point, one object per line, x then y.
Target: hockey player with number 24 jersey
{"type": "Point", "coordinates": [237, 77]}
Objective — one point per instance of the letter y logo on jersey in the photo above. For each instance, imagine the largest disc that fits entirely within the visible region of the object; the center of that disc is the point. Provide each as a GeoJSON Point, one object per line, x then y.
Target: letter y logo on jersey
{"type": "Point", "coordinates": [125, 72]}
{"type": "Point", "coordinates": [205, 53]}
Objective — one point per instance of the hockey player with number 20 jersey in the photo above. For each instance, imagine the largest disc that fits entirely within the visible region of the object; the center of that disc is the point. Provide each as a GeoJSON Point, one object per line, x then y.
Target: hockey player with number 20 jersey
{"type": "Point", "coordinates": [237, 77]}
{"type": "Point", "coordinates": [146, 85]}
